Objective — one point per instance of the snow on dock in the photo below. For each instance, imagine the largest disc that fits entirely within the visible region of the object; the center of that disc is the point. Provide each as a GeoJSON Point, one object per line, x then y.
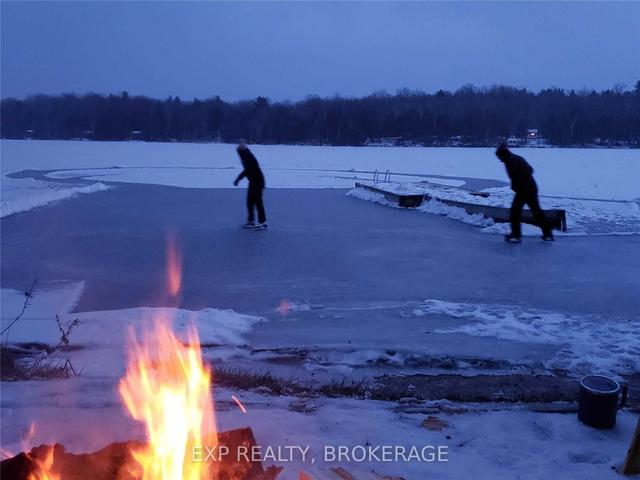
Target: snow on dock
{"type": "Point", "coordinates": [413, 194]}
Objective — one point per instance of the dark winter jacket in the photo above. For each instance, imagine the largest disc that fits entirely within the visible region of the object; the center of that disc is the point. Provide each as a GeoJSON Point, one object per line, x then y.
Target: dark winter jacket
{"type": "Point", "coordinates": [251, 168]}
{"type": "Point", "coordinates": [520, 173]}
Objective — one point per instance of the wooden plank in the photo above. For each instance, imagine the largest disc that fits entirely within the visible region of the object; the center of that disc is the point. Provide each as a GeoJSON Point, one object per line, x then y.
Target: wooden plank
{"type": "Point", "coordinates": [342, 473]}
{"type": "Point", "coordinates": [632, 463]}
{"type": "Point", "coordinates": [557, 218]}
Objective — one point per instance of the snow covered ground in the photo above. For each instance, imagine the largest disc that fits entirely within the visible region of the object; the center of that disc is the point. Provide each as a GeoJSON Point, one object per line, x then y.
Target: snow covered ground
{"type": "Point", "coordinates": [507, 443]}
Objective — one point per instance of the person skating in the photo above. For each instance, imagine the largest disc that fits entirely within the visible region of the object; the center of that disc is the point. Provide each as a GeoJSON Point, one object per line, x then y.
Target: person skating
{"type": "Point", "coordinates": [526, 192]}
{"type": "Point", "coordinates": [251, 170]}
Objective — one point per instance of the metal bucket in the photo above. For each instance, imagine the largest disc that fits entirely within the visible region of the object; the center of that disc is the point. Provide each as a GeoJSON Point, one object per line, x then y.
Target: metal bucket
{"type": "Point", "coordinates": [599, 405]}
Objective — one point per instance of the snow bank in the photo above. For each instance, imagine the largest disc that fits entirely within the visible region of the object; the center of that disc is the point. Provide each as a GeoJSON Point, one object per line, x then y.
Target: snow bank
{"type": "Point", "coordinates": [101, 336]}
{"type": "Point", "coordinates": [215, 327]}
{"type": "Point", "coordinates": [455, 213]}
{"type": "Point", "coordinates": [21, 195]}
{"type": "Point", "coordinates": [588, 343]}
{"type": "Point", "coordinates": [593, 173]}
{"type": "Point", "coordinates": [370, 196]}
{"type": "Point", "coordinates": [38, 324]}
{"type": "Point", "coordinates": [432, 206]}
{"type": "Point", "coordinates": [584, 216]}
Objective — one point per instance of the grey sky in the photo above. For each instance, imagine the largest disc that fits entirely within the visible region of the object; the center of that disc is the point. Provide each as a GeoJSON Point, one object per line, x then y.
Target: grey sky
{"type": "Point", "coordinates": [286, 50]}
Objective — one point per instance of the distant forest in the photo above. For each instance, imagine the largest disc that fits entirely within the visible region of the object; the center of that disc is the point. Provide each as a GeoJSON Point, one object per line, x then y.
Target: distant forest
{"type": "Point", "coordinates": [468, 116]}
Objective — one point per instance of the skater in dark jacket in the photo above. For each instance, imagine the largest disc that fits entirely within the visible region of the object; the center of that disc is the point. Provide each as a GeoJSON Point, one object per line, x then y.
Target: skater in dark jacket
{"type": "Point", "coordinates": [251, 170]}
{"type": "Point", "coordinates": [526, 192]}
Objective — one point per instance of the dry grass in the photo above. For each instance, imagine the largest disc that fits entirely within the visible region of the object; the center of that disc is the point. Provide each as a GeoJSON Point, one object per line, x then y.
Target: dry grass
{"type": "Point", "coordinates": [20, 363]}
{"type": "Point", "coordinates": [282, 386]}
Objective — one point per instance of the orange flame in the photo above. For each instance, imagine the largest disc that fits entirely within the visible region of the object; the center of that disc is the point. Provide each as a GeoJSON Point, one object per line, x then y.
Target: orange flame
{"type": "Point", "coordinates": [43, 468]}
{"type": "Point", "coordinates": [167, 386]}
{"type": "Point", "coordinates": [174, 264]}
{"type": "Point", "coordinates": [239, 403]}
{"type": "Point", "coordinates": [284, 308]}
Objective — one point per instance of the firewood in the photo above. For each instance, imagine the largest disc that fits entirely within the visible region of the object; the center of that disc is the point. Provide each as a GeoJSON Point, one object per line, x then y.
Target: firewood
{"type": "Point", "coordinates": [434, 423]}
{"type": "Point", "coordinates": [632, 463]}
{"type": "Point", "coordinates": [269, 474]}
{"type": "Point", "coordinates": [104, 464]}
{"type": "Point", "coordinates": [303, 476]}
{"type": "Point", "coordinates": [342, 473]}
{"type": "Point", "coordinates": [113, 462]}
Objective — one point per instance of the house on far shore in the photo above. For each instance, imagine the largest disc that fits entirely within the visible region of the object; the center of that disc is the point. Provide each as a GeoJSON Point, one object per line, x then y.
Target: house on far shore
{"type": "Point", "coordinates": [534, 138]}
{"type": "Point", "coordinates": [136, 135]}
{"type": "Point", "coordinates": [514, 141]}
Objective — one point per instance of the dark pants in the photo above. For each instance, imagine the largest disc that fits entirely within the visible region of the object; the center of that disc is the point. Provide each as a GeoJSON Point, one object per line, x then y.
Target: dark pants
{"type": "Point", "coordinates": [531, 199]}
{"type": "Point", "coordinates": [254, 199]}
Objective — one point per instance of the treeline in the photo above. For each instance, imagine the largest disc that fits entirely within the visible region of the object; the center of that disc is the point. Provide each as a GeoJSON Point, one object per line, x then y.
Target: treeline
{"type": "Point", "coordinates": [475, 116]}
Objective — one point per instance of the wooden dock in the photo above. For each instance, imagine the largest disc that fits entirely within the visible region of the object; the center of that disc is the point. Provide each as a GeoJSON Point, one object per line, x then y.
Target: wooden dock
{"type": "Point", "coordinates": [557, 218]}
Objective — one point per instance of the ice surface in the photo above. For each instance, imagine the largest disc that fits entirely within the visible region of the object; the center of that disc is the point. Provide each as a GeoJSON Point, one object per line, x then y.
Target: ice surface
{"type": "Point", "coordinates": [340, 264]}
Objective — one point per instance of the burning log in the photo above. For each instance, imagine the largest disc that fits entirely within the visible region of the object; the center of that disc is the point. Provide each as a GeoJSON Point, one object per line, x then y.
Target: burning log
{"type": "Point", "coordinates": [103, 464]}
{"type": "Point", "coordinates": [116, 462]}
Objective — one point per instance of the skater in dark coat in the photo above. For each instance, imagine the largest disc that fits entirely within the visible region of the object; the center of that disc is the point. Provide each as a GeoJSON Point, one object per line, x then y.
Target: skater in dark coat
{"type": "Point", "coordinates": [526, 192]}
{"type": "Point", "coordinates": [251, 170]}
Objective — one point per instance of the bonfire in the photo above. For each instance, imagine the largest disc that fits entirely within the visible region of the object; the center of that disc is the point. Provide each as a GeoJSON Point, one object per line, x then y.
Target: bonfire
{"type": "Point", "coordinates": [168, 387]}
